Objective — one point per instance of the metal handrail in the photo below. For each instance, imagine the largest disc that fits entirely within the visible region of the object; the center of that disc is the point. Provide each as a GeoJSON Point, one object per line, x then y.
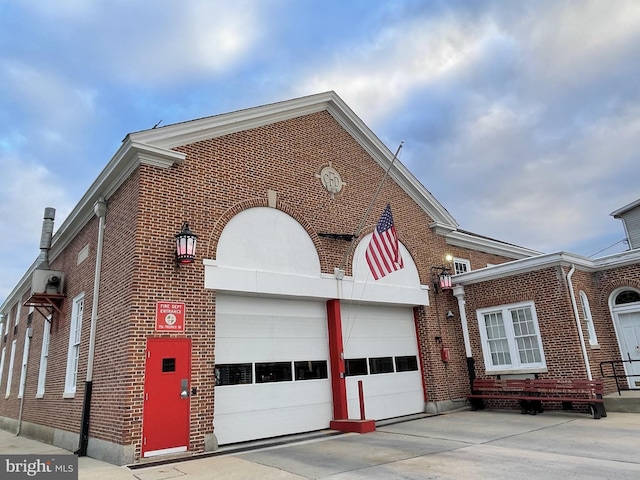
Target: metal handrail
{"type": "Point", "coordinates": [617, 376]}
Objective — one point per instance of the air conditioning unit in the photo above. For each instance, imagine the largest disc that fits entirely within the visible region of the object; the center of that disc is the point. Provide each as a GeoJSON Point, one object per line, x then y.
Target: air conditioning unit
{"type": "Point", "coordinates": [47, 282]}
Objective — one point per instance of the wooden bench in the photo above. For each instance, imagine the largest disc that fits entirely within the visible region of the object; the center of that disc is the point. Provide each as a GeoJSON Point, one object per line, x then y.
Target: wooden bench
{"type": "Point", "coordinates": [531, 393]}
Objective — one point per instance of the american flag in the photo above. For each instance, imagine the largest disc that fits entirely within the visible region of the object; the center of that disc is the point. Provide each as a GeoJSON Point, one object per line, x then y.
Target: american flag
{"type": "Point", "coordinates": [383, 254]}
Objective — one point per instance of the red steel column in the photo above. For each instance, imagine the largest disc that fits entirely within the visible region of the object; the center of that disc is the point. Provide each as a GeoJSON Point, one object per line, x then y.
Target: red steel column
{"type": "Point", "coordinates": [336, 360]}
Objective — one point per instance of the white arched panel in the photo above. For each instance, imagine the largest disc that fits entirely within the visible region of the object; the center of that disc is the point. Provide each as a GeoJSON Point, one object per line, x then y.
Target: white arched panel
{"type": "Point", "coordinates": [405, 277]}
{"type": "Point", "coordinates": [268, 240]}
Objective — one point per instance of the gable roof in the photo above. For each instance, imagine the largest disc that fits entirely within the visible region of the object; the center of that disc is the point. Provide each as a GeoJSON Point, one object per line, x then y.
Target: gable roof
{"type": "Point", "coordinates": [154, 147]}
{"type": "Point", "coordinates": [179, 134]}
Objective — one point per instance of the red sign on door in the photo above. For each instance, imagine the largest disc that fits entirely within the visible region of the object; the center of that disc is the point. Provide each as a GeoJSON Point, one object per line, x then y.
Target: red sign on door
{"type": "Point", "coordinates": [169, 317]}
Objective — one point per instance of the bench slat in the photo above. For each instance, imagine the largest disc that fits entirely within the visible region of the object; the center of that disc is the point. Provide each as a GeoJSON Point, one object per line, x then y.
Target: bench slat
{"type": "Point", "coordinates": [540, 390]}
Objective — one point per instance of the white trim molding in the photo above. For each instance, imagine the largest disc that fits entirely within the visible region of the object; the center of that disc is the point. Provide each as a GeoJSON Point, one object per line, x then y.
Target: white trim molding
{"type": "Point", "coordinates": [548, 260]}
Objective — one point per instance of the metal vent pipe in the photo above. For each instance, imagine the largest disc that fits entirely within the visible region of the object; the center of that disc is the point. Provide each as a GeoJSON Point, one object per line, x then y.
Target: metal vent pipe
{"type": "Point", "coordinates": [45, 237]}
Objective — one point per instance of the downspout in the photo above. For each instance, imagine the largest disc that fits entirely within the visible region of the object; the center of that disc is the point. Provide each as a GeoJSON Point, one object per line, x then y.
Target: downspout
{"type": "Point", "coordinates": [100, 209]}
{"type": "Point", "coordinates": [578, 325]}
{"type": "Point", "coordinates": [458, 292]}
{"type": "Point", "coordinates": [26, 366]}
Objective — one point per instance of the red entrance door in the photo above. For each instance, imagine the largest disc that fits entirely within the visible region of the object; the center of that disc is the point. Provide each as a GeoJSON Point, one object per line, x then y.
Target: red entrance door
{"type": "Point", "coordinates": [165, 427]}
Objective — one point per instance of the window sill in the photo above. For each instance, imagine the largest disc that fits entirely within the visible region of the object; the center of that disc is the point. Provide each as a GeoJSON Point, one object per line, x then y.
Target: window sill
{"type": "Point", "coordinates": [39, 395]}
{"type": "Point", "coordinates": [69, 395]}
{"type": "Point", "coordinates": [512, 371]}
{"type": "Point", "coordinates": [594, 346]}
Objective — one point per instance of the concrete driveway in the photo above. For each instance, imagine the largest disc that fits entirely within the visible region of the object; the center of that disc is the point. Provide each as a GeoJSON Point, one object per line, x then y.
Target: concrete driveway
{"type": "Point", "coordinates": [462, 445]}
{"type": "Point", "coordinates": [459, 445]}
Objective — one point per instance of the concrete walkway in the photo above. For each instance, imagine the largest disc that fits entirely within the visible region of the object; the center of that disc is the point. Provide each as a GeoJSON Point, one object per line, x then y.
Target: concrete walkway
{"type": "Point", "coordinates": [461, 445]}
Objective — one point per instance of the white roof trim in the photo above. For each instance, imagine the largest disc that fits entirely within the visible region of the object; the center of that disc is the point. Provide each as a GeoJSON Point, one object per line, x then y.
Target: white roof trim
{"type": "Point", "coordinates": [192, 131]}
{"type": "Point", "coordinates": [625, 209]}
{"type": "Point", "coordinates": [541, 262]}
{"type": "Point", "coordinates": [460, 239]}
{"type": "Point", "coordinates": [128, 157]}
{"type": "Point", "coordinates": [153, 147]}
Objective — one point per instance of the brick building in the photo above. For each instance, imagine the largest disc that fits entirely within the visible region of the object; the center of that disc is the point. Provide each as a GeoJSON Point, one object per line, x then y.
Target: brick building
{"type": "Point", "coordinates": [112, 347]}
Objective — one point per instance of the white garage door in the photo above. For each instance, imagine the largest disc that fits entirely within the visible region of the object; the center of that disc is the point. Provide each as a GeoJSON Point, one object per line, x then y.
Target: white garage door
{"type": "Point", "coordinates": [272, 368]}
{"type": "Point", "coordinates": [380, 348]}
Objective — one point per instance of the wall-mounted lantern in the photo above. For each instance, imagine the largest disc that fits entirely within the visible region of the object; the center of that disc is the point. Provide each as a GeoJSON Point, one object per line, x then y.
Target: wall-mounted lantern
{"type": "Point", "coordinates": [441, 278]}
{"type": "Point", "coordinates": [186, 245]}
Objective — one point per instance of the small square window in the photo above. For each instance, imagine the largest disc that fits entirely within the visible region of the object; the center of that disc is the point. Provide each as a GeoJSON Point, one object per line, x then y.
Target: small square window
{"type": "Point", "coordinates": [168, 365]}
{"type": "Point", "coordinates": [461, 265]}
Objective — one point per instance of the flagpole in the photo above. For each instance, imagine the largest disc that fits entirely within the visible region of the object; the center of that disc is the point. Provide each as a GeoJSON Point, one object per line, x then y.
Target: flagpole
{"type": "Point", "coordinates": [366, 213]}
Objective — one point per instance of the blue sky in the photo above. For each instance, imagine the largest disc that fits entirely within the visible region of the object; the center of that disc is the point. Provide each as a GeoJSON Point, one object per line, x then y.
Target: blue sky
{"type": "Point", "coordinates": [521, 117]}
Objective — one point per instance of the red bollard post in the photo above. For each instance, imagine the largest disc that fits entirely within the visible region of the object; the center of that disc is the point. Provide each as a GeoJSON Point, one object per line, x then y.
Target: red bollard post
{"type": "Point", "coordinates": [361, 396]}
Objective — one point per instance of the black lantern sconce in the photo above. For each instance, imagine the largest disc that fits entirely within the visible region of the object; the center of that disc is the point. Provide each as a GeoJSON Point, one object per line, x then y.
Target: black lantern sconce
{"type": "Point", "coordinates": [441, 278]}
{"type": "Point", "coordinates": [186, 245]}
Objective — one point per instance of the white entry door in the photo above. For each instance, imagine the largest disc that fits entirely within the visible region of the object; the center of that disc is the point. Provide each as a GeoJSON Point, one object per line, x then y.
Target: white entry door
{"type": "Point", "coordinates": [630, 343]}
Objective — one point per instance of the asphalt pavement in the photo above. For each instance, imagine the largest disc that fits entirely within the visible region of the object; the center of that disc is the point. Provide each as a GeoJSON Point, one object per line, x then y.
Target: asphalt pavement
{"type": "Point", "coordinates": [488, 444]}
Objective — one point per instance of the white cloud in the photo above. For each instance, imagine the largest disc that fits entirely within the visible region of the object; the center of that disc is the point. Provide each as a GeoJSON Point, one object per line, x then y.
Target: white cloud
{"type": "Point", "coordinates": [191, 38]}
{"type": "Point", "coordinates": [375, 79]}
{"type": "Point", "coordinates": [55, 105]}
{"type": "Point", "coordinates": [573, 40]}
{"type": "Point", "coordinates": [27, 189]}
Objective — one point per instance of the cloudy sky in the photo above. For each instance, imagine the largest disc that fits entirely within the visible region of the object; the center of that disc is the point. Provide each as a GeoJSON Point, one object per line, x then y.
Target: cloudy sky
{"type": "Point", "coordinates": [521, 117]}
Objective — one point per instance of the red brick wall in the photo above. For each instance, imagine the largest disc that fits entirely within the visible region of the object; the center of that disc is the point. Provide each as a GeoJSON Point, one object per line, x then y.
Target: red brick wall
{"type": "Point", "coordinates": [548, 290]}
{"type": "Point", "coordinates": [219, 178]}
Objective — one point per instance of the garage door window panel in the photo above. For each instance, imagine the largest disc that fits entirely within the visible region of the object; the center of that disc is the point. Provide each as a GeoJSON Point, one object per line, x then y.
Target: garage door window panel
{"type": "Point", "coordinates": [407, 364]}
{"type": "Point", "coordinates": [273, 372]}
{"type": "Point", "coordinates": [311, 370]}
{"type": "Point", "coordinates": [234, 374]}
{"type": "Point", "coordinates": [381, 365]}
{"type": "Point", "coordinates": [355, 366]}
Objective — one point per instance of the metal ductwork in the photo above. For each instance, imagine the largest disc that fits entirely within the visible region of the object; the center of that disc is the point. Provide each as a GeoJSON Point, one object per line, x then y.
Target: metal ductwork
{"type": "Point", "coordinates": [45, 238]}
{"type": "Point", "coordinates": [44, 280]}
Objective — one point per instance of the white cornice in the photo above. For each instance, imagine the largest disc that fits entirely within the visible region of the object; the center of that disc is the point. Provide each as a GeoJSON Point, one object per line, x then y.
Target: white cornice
{"type": "Point", "coordinates": [541, 262]}
{"type": "Point", "coordinates": [472, 242]}
{"type": "Point", "coordinates": [129, 156]}
{"type": "Point", "coordinates": [127, 159]}
{"type": "Point", "coordinates": [617, 213]}
{"type": "Point", "coordinates": [192, 131]}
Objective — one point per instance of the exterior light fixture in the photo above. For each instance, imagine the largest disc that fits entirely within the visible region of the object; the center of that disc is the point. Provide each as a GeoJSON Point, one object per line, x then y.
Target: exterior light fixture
{"type": "Point", "coordinates": [186, 245]}
{"type": "Point", "coordinates": [441, 278]}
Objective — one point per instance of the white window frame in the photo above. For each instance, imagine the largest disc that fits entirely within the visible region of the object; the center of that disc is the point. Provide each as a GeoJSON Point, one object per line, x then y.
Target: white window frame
{"type": "Point", "coordinates": [588, 319]}
{"type": "Point", "coordinates": [516, 366]}
{"type": "Point", "coordinates": [23, 367]}
{"type": "Point", "coordinates": [12, 359]}
{"type": "Point", "coordinates": [17, 319]}
{"type": "Point", "coordinates": [463, 262]}
{"type": "Point", "coordinates": [2, 357]}
{"type": "Point", "coordinates": [73, 356]}
{"type": "Point", "coordinates": [8, 322]}
{"type": "Point", "coordinates": [44, 357]}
